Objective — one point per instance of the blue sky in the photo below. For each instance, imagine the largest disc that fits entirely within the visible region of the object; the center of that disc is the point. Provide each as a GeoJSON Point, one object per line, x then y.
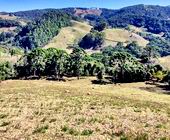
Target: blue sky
{"type": "Point", "coordinates": [18, 5]}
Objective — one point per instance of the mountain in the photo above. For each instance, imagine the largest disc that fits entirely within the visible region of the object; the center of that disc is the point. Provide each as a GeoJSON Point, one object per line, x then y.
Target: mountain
{"type": "Point", "coordinates": [72, 34]}
{"type": "Point", "coordinates": [155, 18]}
{"type": "Point", "coordinates": [151, 22]}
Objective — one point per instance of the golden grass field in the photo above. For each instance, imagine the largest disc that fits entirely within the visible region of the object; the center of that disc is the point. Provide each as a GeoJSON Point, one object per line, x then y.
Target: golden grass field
{"type": "Point", "coordinates": [7, 16]}
{"type": "Point", "coordinates": [7, 29]}
{"type": "Point", "coordinates": [78, 109]}
{"type": "Point", "coordinates": [121, 35]}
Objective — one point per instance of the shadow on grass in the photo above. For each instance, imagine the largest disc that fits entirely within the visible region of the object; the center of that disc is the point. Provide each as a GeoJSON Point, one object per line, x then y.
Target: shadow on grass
{"type": "Point", "coordinates": [101, 82]}
{"type": "Point", "coordinates": [55, 79]}
{"type": "Point", "coordinates": [157, 88]}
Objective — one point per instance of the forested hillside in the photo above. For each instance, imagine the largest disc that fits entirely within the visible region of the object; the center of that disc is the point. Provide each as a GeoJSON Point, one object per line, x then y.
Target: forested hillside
{"type": "Point", "coordinates": [40, 32]}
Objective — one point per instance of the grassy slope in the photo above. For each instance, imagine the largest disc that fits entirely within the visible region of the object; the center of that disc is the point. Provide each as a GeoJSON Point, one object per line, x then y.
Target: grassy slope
{"type": "Point", "coordinates": [121, 35]}
{"type": "Point", "coordinates": [4, 52]}
{"type": "Point", "coordinates": [165, 61]}
{"type": "Point", "coordinates": [5, 55]}
{"type": "Point", "coordinates": [69, 35]}
{"type": "Point", "coordinates": [62, 110]}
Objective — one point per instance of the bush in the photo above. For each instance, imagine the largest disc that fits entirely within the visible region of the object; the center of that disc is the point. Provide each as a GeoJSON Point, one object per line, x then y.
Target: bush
{"type": "Point", "coordinates": [6, 71]}
{"type": "Point", "coordinates": [123, 67]}
{"type": "Point", "coordinates": [159, 75]}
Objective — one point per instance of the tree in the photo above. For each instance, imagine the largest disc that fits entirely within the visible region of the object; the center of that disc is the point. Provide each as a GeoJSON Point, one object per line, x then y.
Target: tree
{"type": "Point", "coordinates": [126, 68]}
{"type": "Point", "coordinates": [92, 40]}
{"type": "Point", "coordinates": [100, 76]}
{"type": "Point", "coordinates": [151, 52]}
{"type": "Point", "coordinates": [134, 49]}
{"type": "Point", "coordinates": [12, 52]}
{"type": "Point", "coordinates": [6, 71]}
{"type": "Point", "coordinates": [100, 26]}
{"type": "Point", "coordinates": [34, 62]}
{"type": "Point", "coordinates": [76, 59]}
{"type": "Point", "coordinates": [39, 32]}
{"type": "Point", "coordinates": [56, 62]}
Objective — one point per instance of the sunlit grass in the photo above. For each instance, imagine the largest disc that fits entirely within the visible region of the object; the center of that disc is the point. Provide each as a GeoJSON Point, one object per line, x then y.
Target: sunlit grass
{"type": "Point", "coordinates": [80, 110]}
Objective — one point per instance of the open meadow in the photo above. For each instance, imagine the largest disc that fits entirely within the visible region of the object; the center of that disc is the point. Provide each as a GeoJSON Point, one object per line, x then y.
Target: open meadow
{"type": "Point", "coordinates": [78, 109]}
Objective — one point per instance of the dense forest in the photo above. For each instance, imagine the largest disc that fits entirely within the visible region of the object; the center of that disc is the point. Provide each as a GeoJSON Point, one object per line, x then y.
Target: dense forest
{"type": "Point", "coordinates": [38, 33]}
{"type": "Point", "coordinates": [8, 23]}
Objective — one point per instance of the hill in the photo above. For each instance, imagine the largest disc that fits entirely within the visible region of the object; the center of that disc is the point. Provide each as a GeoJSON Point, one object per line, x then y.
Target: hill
{"type": "Point", "coordinates": [9, 25]}
{"type": "Point", "coordinates": [5, 54]}
{"type": "Point", "coordinates": [72, 34]}
{"type": "Point", "coordinates": [154, 18]}
{"type": "Point", "coordinates": [83, 12]}
{"type": "Point", "coordinates": [140, 19]}
{"type": "Point", "coordinates": [113, 36]}
{"type": "Point", "coordinates": [69, 35]}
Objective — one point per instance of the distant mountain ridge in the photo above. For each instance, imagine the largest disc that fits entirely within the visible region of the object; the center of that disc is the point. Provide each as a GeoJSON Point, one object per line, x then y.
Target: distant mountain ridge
{"type": "Point", "coordinates": [153, 17]}
{"type": "Point", "coordinates": [141, 9]}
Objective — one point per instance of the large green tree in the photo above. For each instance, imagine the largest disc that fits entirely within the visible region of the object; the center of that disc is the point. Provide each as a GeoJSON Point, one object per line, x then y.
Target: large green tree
{"type": "Point", "coordinates": [76, 59]}
{"type": "Point", "coordinates": [92, 40]}
{"type": "Point", "coordinates": [56, 62]}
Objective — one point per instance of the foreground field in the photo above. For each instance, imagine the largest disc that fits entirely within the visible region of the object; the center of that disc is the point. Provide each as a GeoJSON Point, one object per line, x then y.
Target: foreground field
{"type": "Point", "coordinates": [80, 110]}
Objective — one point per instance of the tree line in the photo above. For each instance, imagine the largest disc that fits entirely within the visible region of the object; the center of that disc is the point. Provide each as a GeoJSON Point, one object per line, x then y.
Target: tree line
{"type": "Point", "coordinates": [112, 64]}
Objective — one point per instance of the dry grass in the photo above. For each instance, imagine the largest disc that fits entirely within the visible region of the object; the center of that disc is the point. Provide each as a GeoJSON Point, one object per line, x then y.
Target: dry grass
{"type": "Point", "coordinates": [121, 35]}
{"type": "Point", "coordinates": [69, 35]}
{"type": "Point", "coordinates": [165, 61]}
{"type": "Point", "coordinates": [12, 59]}
{"type": "Point", "coordinates": [137, 29]}
{"type": "Point", "coordinates": [6, 16]}
{"type": "Point", "coordinates": [7, 29]}
{"type": "Point", "coordinates": [4, 57]}
{"type": "Point", "coordinates": [80, 110]}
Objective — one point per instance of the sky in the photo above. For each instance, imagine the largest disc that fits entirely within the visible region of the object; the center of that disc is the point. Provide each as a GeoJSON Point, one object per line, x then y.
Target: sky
{"type": "Point", "coordinates": [21, 5]}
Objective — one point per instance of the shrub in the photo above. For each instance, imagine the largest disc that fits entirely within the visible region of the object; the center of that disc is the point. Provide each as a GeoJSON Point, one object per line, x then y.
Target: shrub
{"type": "Point", "coordinates": [159, 75]}
{"type": "Point", "coordinates": [87, 132]}
{"type": "Point", "coordinates": [41, 129]}
{"type": "Point", "coordinates": [6, 71]}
